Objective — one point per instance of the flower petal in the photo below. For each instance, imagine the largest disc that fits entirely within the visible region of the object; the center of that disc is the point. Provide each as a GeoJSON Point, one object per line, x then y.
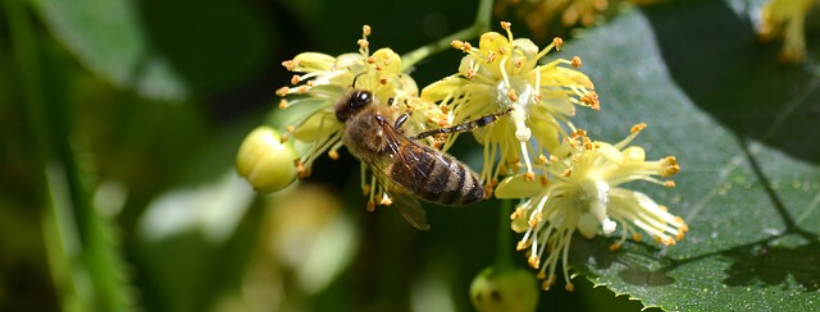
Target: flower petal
{"type": "Point", "coordinates": [439, 90]}
{"type": "Point", "coordinates": [317, 126]}
{"type": "Point", "coordinates": [518, 187]}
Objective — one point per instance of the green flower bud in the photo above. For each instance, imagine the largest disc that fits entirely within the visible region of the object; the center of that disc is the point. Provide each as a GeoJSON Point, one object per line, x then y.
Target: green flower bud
{"type": "Point", "coordinates": [504, 290]}
{"type": "Point", "coordinates": [266, 161]}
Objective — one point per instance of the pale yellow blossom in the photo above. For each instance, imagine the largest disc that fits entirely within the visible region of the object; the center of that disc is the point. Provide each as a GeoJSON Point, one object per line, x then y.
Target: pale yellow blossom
{"type": "Point", "coordinates": [504, 74]}
{"type": "Point", "coordinates": [580, 190]}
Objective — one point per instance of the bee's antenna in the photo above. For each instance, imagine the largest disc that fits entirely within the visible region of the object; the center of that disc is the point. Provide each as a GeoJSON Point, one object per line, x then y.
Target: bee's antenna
{"type": "Point", "coordinates": [353, 85]}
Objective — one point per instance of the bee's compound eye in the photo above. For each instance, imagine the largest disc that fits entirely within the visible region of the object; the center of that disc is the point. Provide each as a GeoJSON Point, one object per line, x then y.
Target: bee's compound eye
{"type": "Point", "coordinates": [361, 99]}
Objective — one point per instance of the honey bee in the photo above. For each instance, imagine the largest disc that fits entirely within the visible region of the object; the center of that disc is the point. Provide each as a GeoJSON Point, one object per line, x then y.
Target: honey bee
{"type": "Point", "coordinates": [407, 170]}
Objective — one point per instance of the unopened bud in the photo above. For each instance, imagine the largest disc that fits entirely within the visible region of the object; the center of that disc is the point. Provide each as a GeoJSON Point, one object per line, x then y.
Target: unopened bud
{"type": "Point", "coordinates": [504, 290]}
{"type": "Point", "coordinates": [265, 161]}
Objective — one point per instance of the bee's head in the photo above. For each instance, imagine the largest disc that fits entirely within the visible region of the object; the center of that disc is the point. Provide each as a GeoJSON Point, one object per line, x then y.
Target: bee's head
{"type": "Point", "coordinates": [352, 104]}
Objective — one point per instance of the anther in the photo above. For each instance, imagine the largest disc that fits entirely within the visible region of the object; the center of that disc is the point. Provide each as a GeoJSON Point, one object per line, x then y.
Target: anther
{"type": "Point", "coordinates": [566, 173]}
{"type": "Point", "coordinates": [290, 65]}
{"type": "Point", "coordinates": [283, 104]}
{"type": "Point", "coordinates": [637, 127]}
{"type": "Point", "coordinates": [534, 261]}
{"type": "Point", "coordinates": [488, 191]}
{"type": "Point", "coordinates": [366, 30]}
{"type": "Point", "coordinates": [523, 245]}
{"type": "Point", "coordinates": [295, 79]}
{"type": "Point", "coordinates": [333, 155]}
{"type": "Point", "coordinates": [529, 176]}
{"type": "Point", "coordinates": [579, 133]}
{"type": "Point", "coordinates": [506, 25]}
{"type": "Point", "coordinates": [511, 94]}
{"type": "Point", "coordinates": [558, 42]}
{"type": "Point", "coordinates": [576, 62]}
{"type": "Point", "coordinates": [290, 128]}
{"type": "Point", "coordinates": [490, 57]}
{"type": "Point", "coordinates": [283, 91]}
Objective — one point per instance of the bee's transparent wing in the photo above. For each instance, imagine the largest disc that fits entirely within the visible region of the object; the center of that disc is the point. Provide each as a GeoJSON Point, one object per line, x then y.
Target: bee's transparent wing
{"type": "Point", "coordinates": [409, 208]}
{"type": "Point", "coordinates": [407, 204]}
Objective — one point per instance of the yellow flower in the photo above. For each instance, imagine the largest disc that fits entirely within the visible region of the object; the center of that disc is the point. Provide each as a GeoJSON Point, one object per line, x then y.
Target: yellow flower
{"type": "Point", "coordinates": [324, 80]}
{"type": "Point", "coordinates": [504, 73]}
{"type": "Point", "coordinates": [580, 191]}
{"type": "Point", "coordinates": [786, 18]}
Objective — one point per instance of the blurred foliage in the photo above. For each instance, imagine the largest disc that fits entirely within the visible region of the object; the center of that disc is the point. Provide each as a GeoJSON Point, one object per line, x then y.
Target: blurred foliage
{"type": "Point", "coordinates": [120, 121]}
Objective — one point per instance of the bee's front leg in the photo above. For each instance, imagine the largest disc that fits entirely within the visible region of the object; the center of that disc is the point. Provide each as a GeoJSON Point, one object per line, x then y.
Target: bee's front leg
{"type": "Point", "coordinates": [402, 119]}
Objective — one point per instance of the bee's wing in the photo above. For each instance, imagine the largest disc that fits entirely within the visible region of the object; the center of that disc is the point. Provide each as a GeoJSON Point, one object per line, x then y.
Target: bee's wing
{"type": "Point", "coordinates": [407, 204]}
{"type": "Point", "coordinates": [409, 208]}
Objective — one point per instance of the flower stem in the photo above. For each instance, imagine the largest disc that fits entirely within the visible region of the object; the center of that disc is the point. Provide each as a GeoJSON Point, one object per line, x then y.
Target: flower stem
{"type": "Point", "coordinates": [479, 26]}
{"type": "Point", "coordinates": [502, 252]}
{"type": "Point", "coordinates": [483, 16]}
{"type": "Point", "coordinates": [413, 57]}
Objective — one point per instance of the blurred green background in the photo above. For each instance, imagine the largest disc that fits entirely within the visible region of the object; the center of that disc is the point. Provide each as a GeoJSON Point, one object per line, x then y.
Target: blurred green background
{"type": "Point", "coordinates": [120, 121]}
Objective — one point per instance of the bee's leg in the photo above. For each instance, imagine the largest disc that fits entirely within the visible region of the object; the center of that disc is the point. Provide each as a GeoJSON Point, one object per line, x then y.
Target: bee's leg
{"type": "Point", "coordinates": [465, 126]}
{"type": "Point", "coordinates": [402, 119]}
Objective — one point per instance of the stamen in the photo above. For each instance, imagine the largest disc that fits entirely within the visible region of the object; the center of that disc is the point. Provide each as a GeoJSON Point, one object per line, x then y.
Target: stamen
{"type": "Point", "coordinates": [457, 44]}
{"type": "Point", "coordinates": [558, 42]}
{"type": "Point", "coordinates": [386, 201]}
{"type": "Point", "coordinates": [576, 62]}
{"type": "Point", "coordinates": [290, 65]}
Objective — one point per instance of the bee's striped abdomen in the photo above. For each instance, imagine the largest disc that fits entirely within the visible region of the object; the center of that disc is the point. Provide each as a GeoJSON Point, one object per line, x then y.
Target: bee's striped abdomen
{"type": "Point", "coordinates": [437, 177]}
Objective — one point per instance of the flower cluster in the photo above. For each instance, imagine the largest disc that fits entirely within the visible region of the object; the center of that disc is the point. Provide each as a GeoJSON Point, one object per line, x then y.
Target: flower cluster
{"type": "Point", "coordinates": [578, 187]}
{"type": "Point", "coordinates": [567, 182]}
{"type": "Point", "coordinates": [321, 81]}
{"type": "Point", "coordinates": [504, 73]}
{"type": "Point", "coordinates": [786, 18]}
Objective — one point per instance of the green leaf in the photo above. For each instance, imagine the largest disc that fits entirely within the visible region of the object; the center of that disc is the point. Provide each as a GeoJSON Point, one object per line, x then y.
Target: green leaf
{"type": "Point", "coordinates": [744, 129]}
{"type": "Point", "coordinates": [161, 49]}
